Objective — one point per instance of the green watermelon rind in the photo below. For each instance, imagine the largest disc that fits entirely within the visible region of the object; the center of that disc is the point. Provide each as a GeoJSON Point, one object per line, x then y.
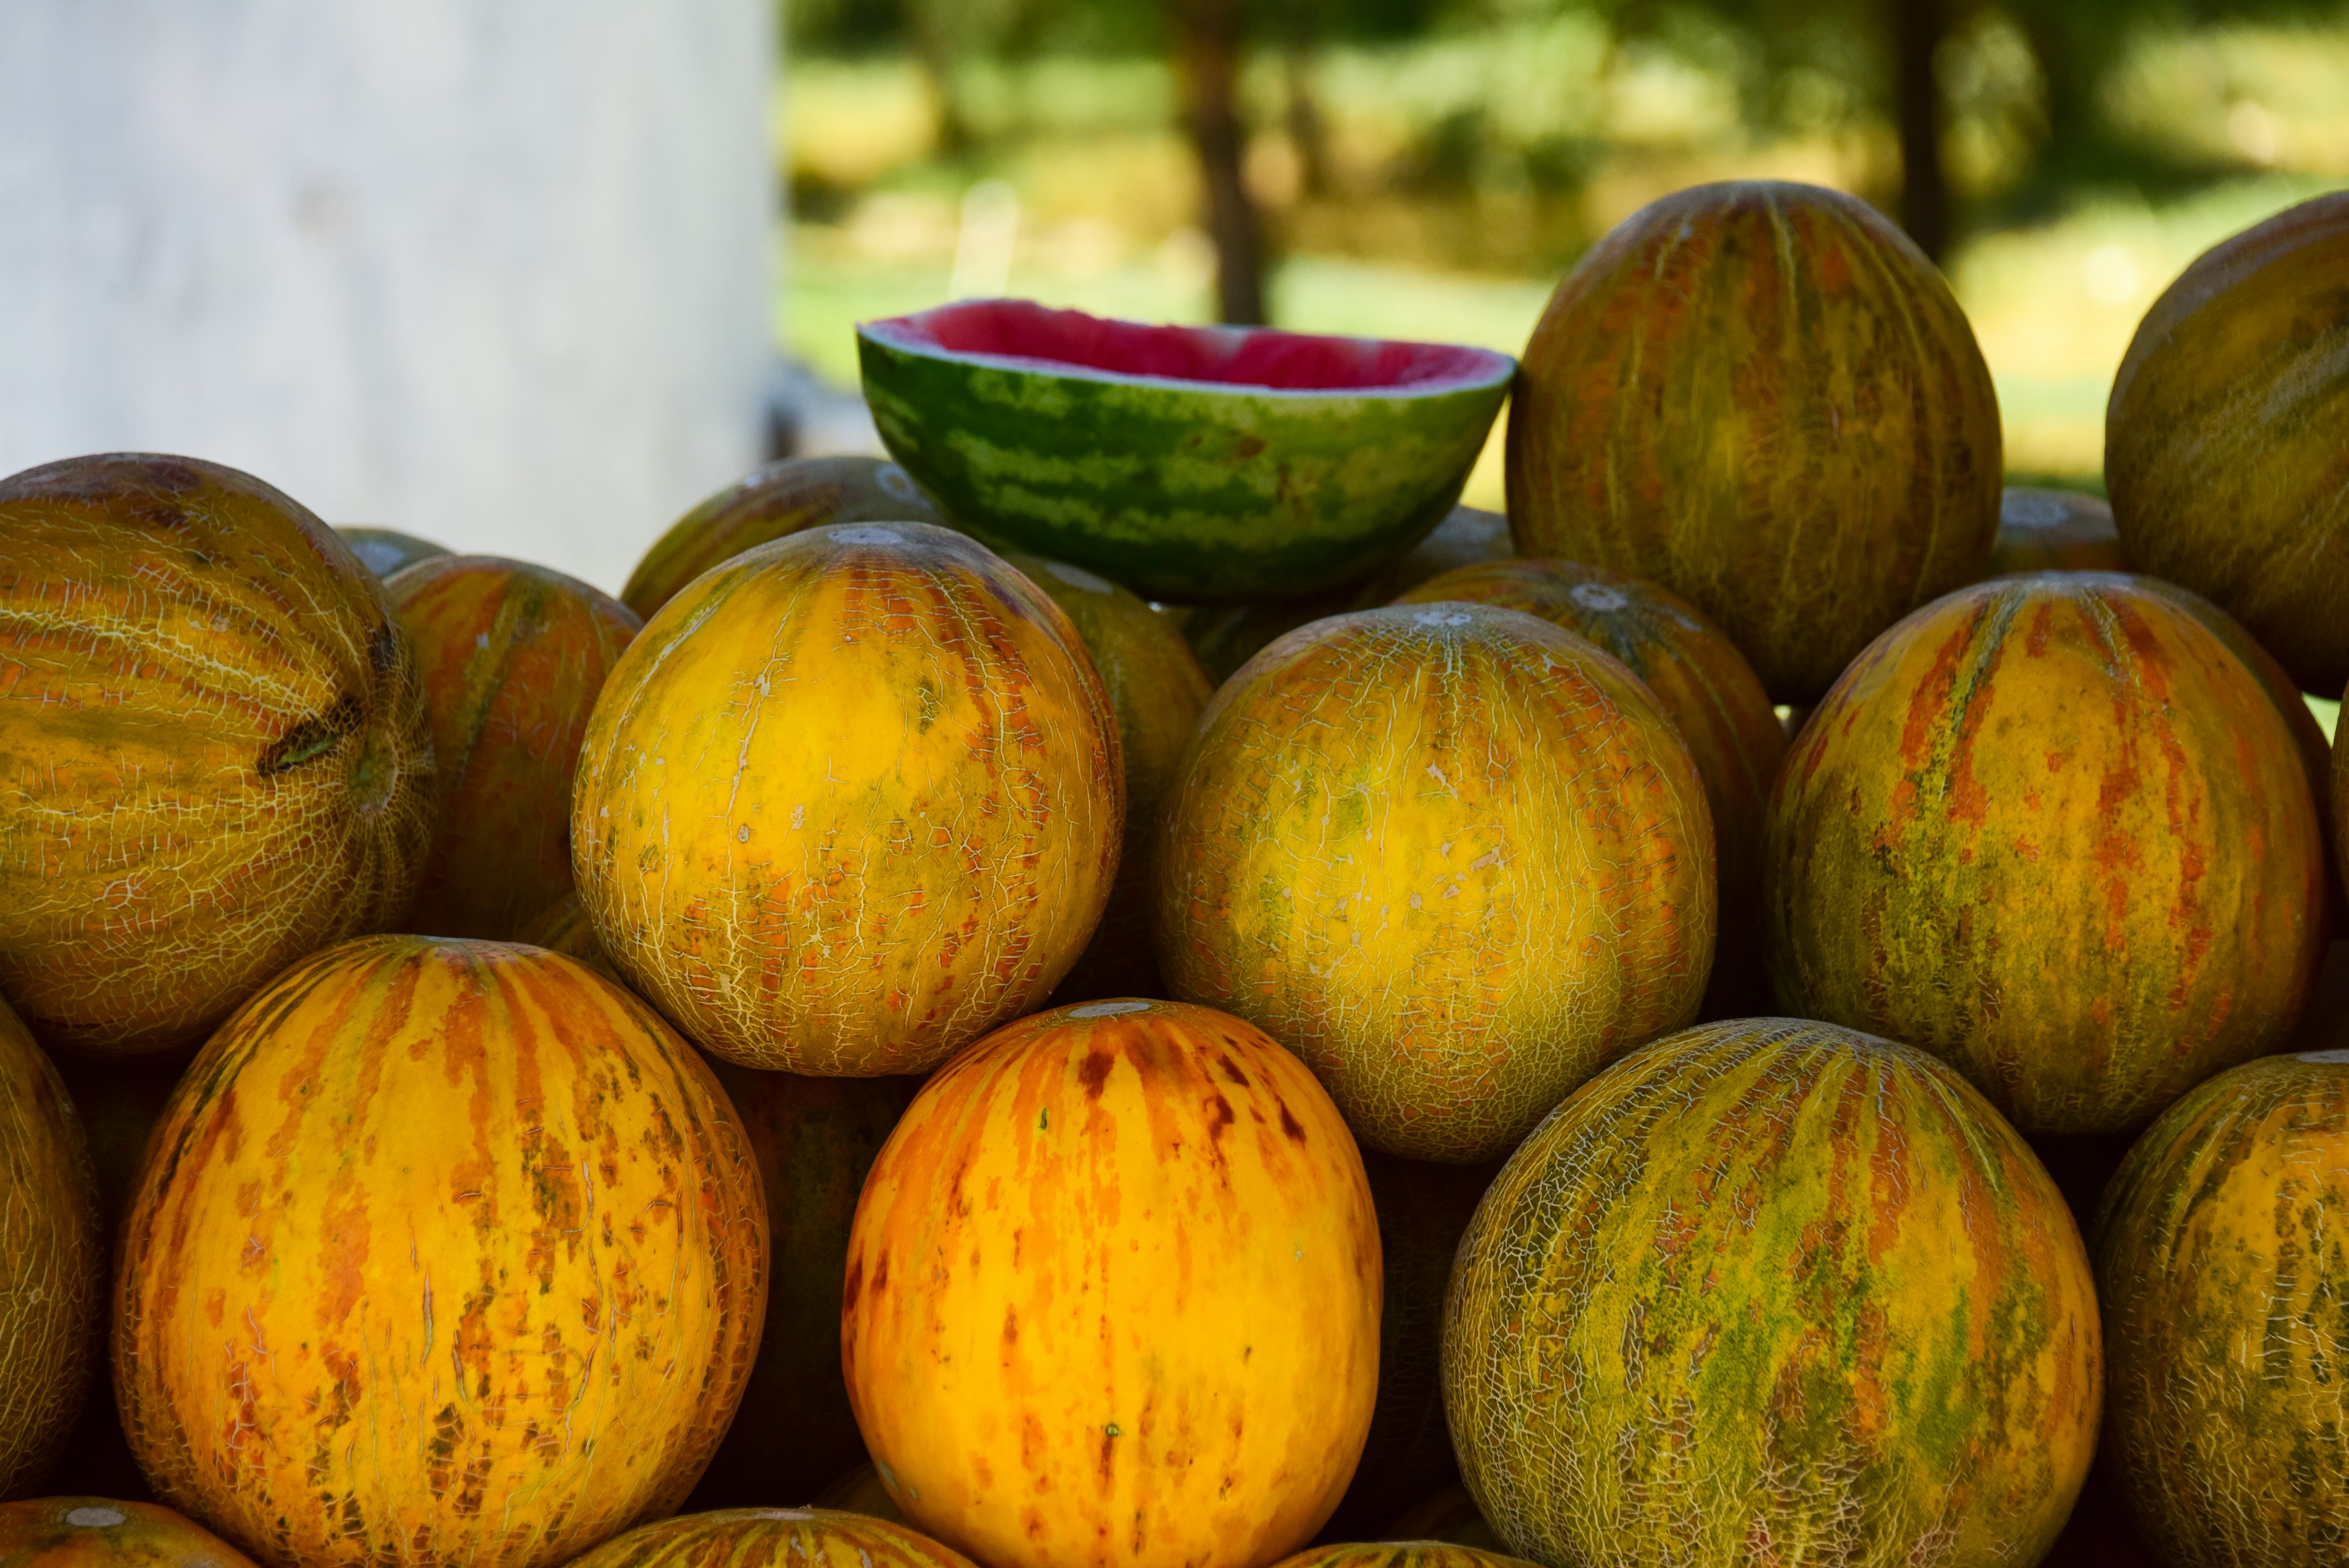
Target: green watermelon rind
{"type": "Point", "coordinates": [1180, 491]}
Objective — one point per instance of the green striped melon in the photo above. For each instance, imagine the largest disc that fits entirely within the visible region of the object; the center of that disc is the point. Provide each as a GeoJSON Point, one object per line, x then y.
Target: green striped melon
{"type": "Point", "coordinates": [2054, 829]}
{"type": "Point", "coordinates": [1185, 462]}
{"type": "Point", "coordinates": [1774, 1292]}
{"type": "Point", "coordinates": [2222, 1259]}
{"type": "Point", "coordinates": [2223, 446]}
{"type": "Point", "coordinates": [1761, 396]}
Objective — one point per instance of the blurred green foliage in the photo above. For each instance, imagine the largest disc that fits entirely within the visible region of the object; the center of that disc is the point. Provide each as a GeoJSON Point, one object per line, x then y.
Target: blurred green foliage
{"type": "Point", "coordinates": [1427, 168]}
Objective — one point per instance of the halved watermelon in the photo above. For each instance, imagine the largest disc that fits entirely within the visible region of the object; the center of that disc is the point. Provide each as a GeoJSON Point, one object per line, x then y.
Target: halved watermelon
{"type": "Point", "coordinates": [1189, 464]}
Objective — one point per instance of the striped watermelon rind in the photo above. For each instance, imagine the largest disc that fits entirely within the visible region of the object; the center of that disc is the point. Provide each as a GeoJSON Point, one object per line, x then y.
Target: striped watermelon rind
{"type": "Point", "coordinates": [1180, 489]}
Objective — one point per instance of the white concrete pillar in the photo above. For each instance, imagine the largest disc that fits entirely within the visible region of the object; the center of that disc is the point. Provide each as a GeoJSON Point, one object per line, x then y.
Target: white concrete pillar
{"type": "Point", "coordinates": [496, 272]}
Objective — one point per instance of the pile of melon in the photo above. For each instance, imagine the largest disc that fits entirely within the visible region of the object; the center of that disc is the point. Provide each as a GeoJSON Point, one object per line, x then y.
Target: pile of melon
{"type": "Point", "coordinates": [1135, 988]}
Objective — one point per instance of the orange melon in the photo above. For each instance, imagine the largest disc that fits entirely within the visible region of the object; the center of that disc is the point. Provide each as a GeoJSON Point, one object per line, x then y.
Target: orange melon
{"type": "Point", "coordinates": [849, 801]}
{"type": "Point", "coordinates": [1156, 1343]}
{"type": "Point", "coordinates": [445, 1251]}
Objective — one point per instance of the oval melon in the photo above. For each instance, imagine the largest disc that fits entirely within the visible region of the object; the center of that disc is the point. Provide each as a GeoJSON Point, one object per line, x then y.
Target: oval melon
{"type": "Point", "coordinates": [1764, 397]}
{"type": "Point", "coordinates": [2222, 1263]}
{"type": "Point", "coordinates": [849, 801]}
{"type": "Point", "coordinates": [493, 1245]}
{"type": "Point", "coordinates": [2222, 440]}
{"type": "Point", "coordinates": [1772, 1290]}
{"type": "Point", "coordinates": [212, 743]}
{"type": "Point", "coordinates": [511, 656]}
{"type": "Point", "coordinates": [1157, 1342]}
{"type": "Point", "coordinates": [2053, 829]}
{"type": "Point", "coordinates": [1454, 857]}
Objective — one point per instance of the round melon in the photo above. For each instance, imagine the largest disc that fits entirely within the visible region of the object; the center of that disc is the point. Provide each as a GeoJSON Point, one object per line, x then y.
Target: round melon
{"type": "Point", "coordinates": [2222, 1259]}
{"type": "Point", "coordinates": [2053, 530]}
{"type": "Point", "coordinates": [1156, 689]}
{"type": "Point", "coordinates": [773, 1538]}
{"type": "Point", "coordinates": [814, 1140]}
{"type": "Point", "coordinates": [1226, 636]}
{"type": "Point", "coordinates": [1156, 1344]}
{"type": "Point", "coordinates": [1454, 857]}
{"type": "Point", "coordinates": [511, 656]}
{"type": "Point", "coordinates": [2223, 442]}
{"type": "Point", "coordinates": [2051, 829]}
{"type": "Point", "coordinates": [445, 1251]}
{"type": "Point", "coordinates": [100, 1532]}
{"type": "Point", "coordinates": [212, 744]}
{"type": "Point", "coordinates": [1762, 396]}
{"type": "Point", "coordinates": [384, 551]}
{"type": "Point", "coordinates": [1187, 463]}
{"type": "Point", "coordinates": [851, 802]}
{"type": "Point", "coordinates": [1402, 1555]}
{"type": "Point", "coordinates": [1423, 1209]}
{"type": "Point", "coordinates": [781, 498]}
{"type": "Point", "coordinates": [1773, 1290]}
{"type": "Point", "coordinates": [1713, 698]}
{"type": "Point", "coordinates": [55, 1255]}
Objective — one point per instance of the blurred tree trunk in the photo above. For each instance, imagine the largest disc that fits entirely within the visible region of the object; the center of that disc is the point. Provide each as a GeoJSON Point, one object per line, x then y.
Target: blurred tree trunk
{"type": "Point", "coordinates": [1918, 27]}
{"type": "Point", "coordinates": [928, 22]}
{"type": "Point", "coordinates": [2067, 84]}
{"type": "Point", "coordinates": [1207, 61]}
{"type": "Point", "coordinates": [1307, 132]}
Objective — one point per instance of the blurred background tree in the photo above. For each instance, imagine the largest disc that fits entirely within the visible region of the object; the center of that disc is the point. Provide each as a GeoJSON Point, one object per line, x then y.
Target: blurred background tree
{"type": "Point", "coordinates": [1429, 167]}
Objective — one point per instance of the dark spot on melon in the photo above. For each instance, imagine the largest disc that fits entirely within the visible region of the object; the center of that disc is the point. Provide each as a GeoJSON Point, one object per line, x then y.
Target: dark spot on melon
{"type": "Point", "coordinates": [1095, 1074]}
{"type": "Point", "coordinates": [1288, 1124]}
{"type": "Point", "coordinates": [1222, 1118]}
{"type": "Point", "coordinates": [383, 647]}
